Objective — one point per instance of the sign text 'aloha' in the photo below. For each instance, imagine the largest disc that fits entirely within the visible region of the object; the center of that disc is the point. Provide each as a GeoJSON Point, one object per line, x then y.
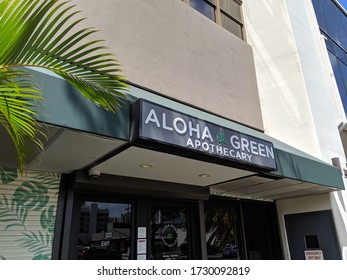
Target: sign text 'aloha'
{"type": "Point", "coordinates": [166, 126]}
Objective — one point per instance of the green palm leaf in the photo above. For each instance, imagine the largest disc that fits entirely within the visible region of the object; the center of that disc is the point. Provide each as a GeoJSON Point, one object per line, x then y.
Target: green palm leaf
{"type": "Point", "coordinates": [32, 195]}
{"type": "Point", "coordinates": [8, 175]}
{"type": "Point", "coordinates": [47, 219]}
{"type": "Point", "coordinates": [38, 243]}
{"type": "Point", "coordinates": [12, 213]}
{"type": "Point", "coordinates": [43, 33]}
{"type": "Point", "coordinates": [17, 110]}
{"type": "Point", "coordinates": [48, 179]}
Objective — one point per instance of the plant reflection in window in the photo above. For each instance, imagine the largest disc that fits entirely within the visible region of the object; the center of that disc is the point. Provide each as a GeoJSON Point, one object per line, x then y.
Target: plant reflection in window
{"type": "Point", "coordinates": [221, 234]}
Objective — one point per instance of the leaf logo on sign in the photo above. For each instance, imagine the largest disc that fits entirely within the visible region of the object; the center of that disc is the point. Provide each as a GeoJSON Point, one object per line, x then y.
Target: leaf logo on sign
{"type": "Point", "coordinates": [221, 139]}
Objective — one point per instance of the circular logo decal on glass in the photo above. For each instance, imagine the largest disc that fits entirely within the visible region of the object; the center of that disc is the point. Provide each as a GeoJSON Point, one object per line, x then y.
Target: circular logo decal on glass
{"type": "Point", "coordinates": [169, 235]}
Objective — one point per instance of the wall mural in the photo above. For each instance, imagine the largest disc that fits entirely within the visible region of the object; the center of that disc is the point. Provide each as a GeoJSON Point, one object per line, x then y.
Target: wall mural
{"type": "Point", "coordinates": [28, 206]}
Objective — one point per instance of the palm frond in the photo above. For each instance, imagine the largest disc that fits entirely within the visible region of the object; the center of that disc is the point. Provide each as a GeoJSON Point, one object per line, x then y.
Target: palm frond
{"type": "Point", "coordinates": [44, 33]}
{"type": "Point", "coordinates": [12, 213]}
{"type": "Point", "coordinates": [38, 243]}
{"type": "Point", "coordinates": [17, 112]}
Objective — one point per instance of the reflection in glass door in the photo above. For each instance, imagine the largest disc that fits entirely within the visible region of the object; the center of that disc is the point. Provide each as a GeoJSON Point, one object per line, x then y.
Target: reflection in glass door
{"type": "Point", "coordinates": [169, 232]}
{"type": "Point", "coordinates": [221, 232]}
{"type": "Point", "coordinates": [104, 232]}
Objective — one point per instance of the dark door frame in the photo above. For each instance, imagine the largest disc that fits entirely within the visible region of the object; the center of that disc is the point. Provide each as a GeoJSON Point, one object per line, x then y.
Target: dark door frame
{"type": "Point", "coordinates": [329, 215]}
{"type": "Point", "coordinates": [193, 224]}
{"type": "Point", "coordinates": [68, 215]}
{"type": "Point", "coordinates": [70, 229]}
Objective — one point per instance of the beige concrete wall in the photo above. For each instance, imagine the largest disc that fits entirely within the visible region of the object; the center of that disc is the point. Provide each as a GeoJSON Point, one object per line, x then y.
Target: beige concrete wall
{"type": "Point", "coordinates": [170, 48]}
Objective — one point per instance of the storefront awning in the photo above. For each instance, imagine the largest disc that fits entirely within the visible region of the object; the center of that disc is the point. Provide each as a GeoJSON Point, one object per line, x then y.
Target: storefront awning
{"type": "Point", "coordinates": [291, 163]}
{"type": "Point", "coordinates": [295, 173]}
{"type": "Point", "coordinates": [300, 166]}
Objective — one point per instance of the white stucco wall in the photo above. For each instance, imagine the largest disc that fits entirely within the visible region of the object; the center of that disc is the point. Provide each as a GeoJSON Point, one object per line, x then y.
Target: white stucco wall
{"type": "Point", "coordinates": [325, 104]}
{"type": "Point", "coordinates": [339, 208]}
{"type": "Point", "coordinates": [298, 94]}
{"type": "Point", "coordinates": [285, 104]}
{"type": "Point", "coordinates": [299, 101]}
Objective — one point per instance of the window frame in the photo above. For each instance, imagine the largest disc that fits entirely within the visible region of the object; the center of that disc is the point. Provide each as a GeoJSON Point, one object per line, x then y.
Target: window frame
{"type": "Point", "coordinates": [218, 11]}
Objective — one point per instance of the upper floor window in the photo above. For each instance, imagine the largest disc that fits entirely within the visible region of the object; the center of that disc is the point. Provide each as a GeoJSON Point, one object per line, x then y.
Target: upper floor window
{"type": "Point", "coordinates": [204, 7]}
{"type": "Point", "coordinates": [226, 13]}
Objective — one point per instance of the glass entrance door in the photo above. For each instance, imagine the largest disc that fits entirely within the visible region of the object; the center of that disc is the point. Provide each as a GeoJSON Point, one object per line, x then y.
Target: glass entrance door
{"type": "Point", "coordinates": [222, 231]}
{"type": "Point", "coordinates": [104, 231]}
{"type": "Point", "coordinates": [169, 239]}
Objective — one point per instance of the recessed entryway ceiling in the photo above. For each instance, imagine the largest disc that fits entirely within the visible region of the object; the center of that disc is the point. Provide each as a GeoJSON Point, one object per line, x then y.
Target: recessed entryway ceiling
{"type": "Point", "coordinates": [68, 150]}
{"type": "Point", "coordinates": [148, 164]}
{"type": "Point", "coordinates": [258, 187]}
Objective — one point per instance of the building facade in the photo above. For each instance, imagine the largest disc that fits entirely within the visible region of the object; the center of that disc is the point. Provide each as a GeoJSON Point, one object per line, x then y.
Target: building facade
{"type": "Point", "coordinates": [301, 102]}
{"type": "Point", "coordinates": [223, 149]}
{"type": "Point", "coordinates": [332, 21]}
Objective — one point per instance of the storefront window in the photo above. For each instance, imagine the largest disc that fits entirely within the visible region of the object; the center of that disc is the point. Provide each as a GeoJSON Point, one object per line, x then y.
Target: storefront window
{"type": "Point", "coordinates": [104, 232]}
{"type": "Point", "coordinates": [241, 230]}
{"type": "Point", "coordinates": [261, 231]}
{"type": "Point", "coordinates": [221, 233]}
{"type": "Point", "coordinates": [169, 233]}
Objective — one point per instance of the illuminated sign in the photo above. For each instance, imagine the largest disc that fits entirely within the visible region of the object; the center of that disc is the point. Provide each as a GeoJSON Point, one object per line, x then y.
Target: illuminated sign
{"type": "Point", "coordinates": [166, 126]}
